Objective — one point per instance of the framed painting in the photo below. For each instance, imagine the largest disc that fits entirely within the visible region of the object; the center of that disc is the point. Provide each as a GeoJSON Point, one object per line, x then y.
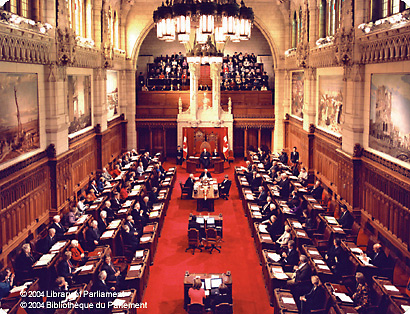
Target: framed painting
{"type": "Point", "coordinates": [79, 102]}
{"type": "Point", "coordinates": [330, 105]}
{"type": "Point", "coordinates": [298, 83]}
{"type": "Point", "coordinates": [112, 94]}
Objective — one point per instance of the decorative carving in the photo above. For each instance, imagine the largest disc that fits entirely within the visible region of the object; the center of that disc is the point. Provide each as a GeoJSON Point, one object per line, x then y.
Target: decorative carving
{"type": "Point", "coordinates": [312, 128]}
{"type": "Point", "coordinates": [97, 128]}
{"type": "Point", "coordinates": [357, 150]}
{"type": "Point", "coordinates": [344, 46]}
{"type": "Point", "coordinates": [66, 46]}
{"type": "Point", "coordinates": [302, 53]}
{"type": "Point", "coordinates": [51, 151]}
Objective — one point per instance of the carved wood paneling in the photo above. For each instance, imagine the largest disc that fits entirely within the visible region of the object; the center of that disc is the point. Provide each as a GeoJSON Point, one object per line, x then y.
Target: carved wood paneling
{"type": "Point", "coordinates": [112, 142]}
{"type": "Point", "coordinates": [296, 136]}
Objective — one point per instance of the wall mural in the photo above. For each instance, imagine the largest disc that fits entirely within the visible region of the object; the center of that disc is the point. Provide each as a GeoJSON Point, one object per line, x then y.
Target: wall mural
{"type": "Point", "coordinates": [298, 93]}
{"type": "Point", "coordinates": [330, 103]}
{"type": "Point", "coordinates": [19, 115]}
{"type": "Point", "coordinates": [112, 94]}
{"type": "Point", "coordinates": [390, 115]}
{"type": "Point", "coordinates": [79, 102]}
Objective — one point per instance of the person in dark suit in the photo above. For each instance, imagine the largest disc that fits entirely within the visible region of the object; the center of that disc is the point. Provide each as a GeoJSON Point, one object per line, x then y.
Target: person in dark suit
{"type": "Point", "coordinates": [189, 183]}
{"type": "Point", "coordinates": [58, 227]}
{"type": "Point", "coordinates": [274, 170]}
{"type": "Point", "coordinates": [294, 156]}
{"type": "Point", "coordinates": [66, 268]}
{"type": "Point", "coordinates": [224, 187]}
{"type": "Point", "coordinates": [153, 195]}
{"type": "Point", "coordinates": [24, 262]}
{"type": "Point", "coordinates": [215, 153]}
{"type": "Point", "coordinates": [146, 205]}
{"type": "Point", "coordinates": [116, 202]}
{"type": "Point", "coordinates": [205, 174]}
{"type": "Point", "coordinates": [346, 219]}
{"type": "Point", "coordinates": [256, 181]}
{"type": "Point", "coordinates": [102, 297]}
{"type": "Point", "coordinates": [102, 222]}
{"type": "Point", "coordinates": [284, 186]}
{"type": "Point", "coordinates": [274, 227]}
{"type": "Point", "coordinates": [60, 286]}
{"type": "Point", "coordinates": [223, 296]}
{"type": "Point", "coordinates": [180, 155]}
{"type": "Point", "coordinates": [130, 238]}
{"type": "Point", "coordinates": [130, 223]}
{"type": "Point", "coordinates": [317, 190]}
{"type": "Point", "coordinates": [92, 236]}
{"type": "Point", "coordinates": [113, 274]}
{"type": "Point", "coordinates": [205, 158]}
{"type": "Point", "coordinates": [262, 196]}
{"type": "Point", "coordinates": [290, 257]}
{"type": "Point", "coordinates": [283, 158]}
{"type": "Point", "coordinates": [378, 258]}
{"type": "Point", "coordinates": [313, 300]}
{"type": "Point", "coordinates": [300, 278]}
{"type": "Point", "coordinates": [336, 257]}
{"type": "Point", "coordinates": [48, 241]}
{"type": "Point", "coordinates": [109, 210]}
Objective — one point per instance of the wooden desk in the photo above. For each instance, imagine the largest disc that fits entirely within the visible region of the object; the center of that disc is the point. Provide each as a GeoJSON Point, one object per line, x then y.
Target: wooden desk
{"type": "Point", "coordinates": [110, 237]}
{"type": "Point", "coordinates": [150, 241]}
{"type": "Point", "coordinates": [318, 263]}
{"type": "Point", "coordinates": [218, 224]}
{"type": "Point", "coordinates": [339, 306]}
{"type": "Point", "coordinates": [218, 166]}
{"type": "Point", "coordinates": [84, 276]}
{"type": "Point", "coordinates": [99, 252]}
{"type": "Point", "coordinates": [79, 290]}
{"type": "Point", "coordinates": [299, 234]}
{"type": "Point", "coordinates": [389, 297]}
{"type": "Point", "coordinates": [124, 298]}
{"type": "Point", "coordinates": [273, 274]}
{"type": "Point", "coordinates": [138, 273]}
{"type": "Point", "coordinates": [363, 266]}
{"type": "Point", "coordinates": [283, 300]}
{"type": "Point", "coordinates": [189, 280]}
{"type": "Point", "coordinates": [205, 195]}
{"type": "Point", "coordinates": [191, 166]}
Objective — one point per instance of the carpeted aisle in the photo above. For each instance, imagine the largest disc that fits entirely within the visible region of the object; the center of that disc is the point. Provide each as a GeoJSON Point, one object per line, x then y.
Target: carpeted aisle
{"type": "Point", "coordinates": [165, 292]}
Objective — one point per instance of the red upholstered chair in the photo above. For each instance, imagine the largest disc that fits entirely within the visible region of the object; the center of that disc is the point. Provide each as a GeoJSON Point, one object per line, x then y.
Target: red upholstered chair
{"type": "Point", "coordinates": [193, 240]}
{"type": "Point", "coordinates": [211, 241]}
{"type": "Point", "coordinates": [196, 308]}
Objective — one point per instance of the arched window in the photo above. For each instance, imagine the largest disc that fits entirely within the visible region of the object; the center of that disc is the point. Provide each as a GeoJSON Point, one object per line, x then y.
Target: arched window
{"type": "Point", "coordinates": [116, 32]}
{"type": "Point", "coordinates": [21, 7]}
{"type": "Point", "coordinates": [322, 19]}
{"type": "Point", "coordinates": [382, 8]}
{"type": "Point", "coordinates": [81, 17]}
{"type": "Point", "coordinates": [300, 26]}
{"type": "Point", "coordinates": [294, 30]}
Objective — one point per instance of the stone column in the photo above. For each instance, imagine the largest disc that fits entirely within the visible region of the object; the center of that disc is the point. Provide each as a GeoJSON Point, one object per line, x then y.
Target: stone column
{"type": "Point", "coordinates": [127, 104]}
{"type": "Point", "coordinates": [281, 106]}
{"type": "Point", "coordinates": [100, 98]}
{"type": "Point", "coordinates": [97, 8]}
{"type": "Point", "coordinates": [313, 25]}
{"type": "Point", "coordinates": [309, 101]}
{"type": "Point", "coordinates": [194, 70]}
{"type": "Point", "coordinates": [216, 88]}
{"type": "Point", "coordinates": [57, 118]}
{"type": "Point", "coordinates": [352, 111]}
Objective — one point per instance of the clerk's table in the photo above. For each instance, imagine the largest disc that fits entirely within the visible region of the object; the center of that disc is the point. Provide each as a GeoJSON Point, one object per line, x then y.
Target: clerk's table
{"type": "Point", "coordinates": [205, 192]}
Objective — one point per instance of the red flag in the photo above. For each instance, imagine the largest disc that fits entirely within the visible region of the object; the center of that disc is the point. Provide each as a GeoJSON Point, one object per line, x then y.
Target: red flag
{"type": "Point", "coordinates": [226, 146]}
{"type": "Point", "coordinates": [185, 146]}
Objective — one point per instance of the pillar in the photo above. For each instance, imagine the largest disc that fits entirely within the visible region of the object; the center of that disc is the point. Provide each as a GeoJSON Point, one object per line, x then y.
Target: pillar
{"type": "Point", "coordinates": [309, 101]}
{"type": "Point", "coordinates": [127, 104]}
{"type": "Point", "coordinates": [99, 97]}
{"type": "Point", "coordinates": [281, 106]}
{"type": "Point", "coordinates": [216, 88]}
{"type": "Point", "coordinates": [194, 70]}
{"type": "Point", "coordinates": [97, 9]}
{"type": "Point", "coordinates": [245, 144]}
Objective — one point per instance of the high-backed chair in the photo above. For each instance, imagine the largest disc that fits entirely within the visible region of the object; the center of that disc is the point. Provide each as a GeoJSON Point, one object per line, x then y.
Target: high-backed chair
{"type": "Point", "coordinates": [193, 240]}
{"type": "Point", "coordinates": [225, 192]}
{"type": "Point", "coordinates": [223, 308]}
{"type": "Point", "coordinates": [185, 191]}
{"type": "Point", "coordinates": [196, 308]}
{"type": "Point", "coordinates": [211, 241]}
{"type": "Point", "coordinates": [231, 158]}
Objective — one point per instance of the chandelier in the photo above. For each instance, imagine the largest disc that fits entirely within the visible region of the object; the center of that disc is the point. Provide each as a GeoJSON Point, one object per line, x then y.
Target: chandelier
{"type": "Point", "coordinates": [221, 18]}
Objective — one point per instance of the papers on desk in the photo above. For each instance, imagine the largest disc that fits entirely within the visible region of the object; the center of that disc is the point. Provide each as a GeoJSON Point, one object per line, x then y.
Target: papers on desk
{"type": "Point", "coordinates": [391, 288]}
{"type": "Point", "coordinates": [107, 234]}
{"type": "Point", "coordinates": [300, 233]}
{"type": "Point", "coordinates": [311, 199]}
{"type": "Point", "coordinates": [343, 297]}
{"type": "Point", "coordinates": [4, 310]}
{"type": "Point", "coordinates": [323, 267]}
{"type": "Point", "coordinates": [81, 219]}
{"type": "Point", "coordinates": [288, 300]}
{"type": "Point", "coordinates": [207, 283]}
{"type": "Point", "coordinates": [156, 207]}
{"type": "Point", "coordinates": [338, 229]}
{"type": "Point", "coordinates": [154, 214]}
{"type": "Point", "coordinates": [317, 206]}
{"type": "Point", "coordinates": [127, 203]}
{"type": "Point", "coordinates": [135, 267]}
{"type": "Point", "coordinates": [262, 228]}
{"type": "Point", "coordinates": [85, 268]}
{"type": "Point", "coordinates": [57, 246]}
{"type": "Point", "coordinates": [124, 294]}
{"type": "Point", "coordinates": [72, 229]}
{"type": "Point", "coordinates": [254, 207]}
{"type": "Point", "coordinates": [249, 197]}
{"type": "Point", "coordinates": [114, 224]}
{"type": "Point", "coordinates": [293, 178]}
{"type": "Point", "coordinates": [273, 256]}
{"type": "Point", "coordinates": [71, 297]}
{"type": "Point", "coordinates": [331, 220]}
{"type": "Point", "coordinates": [145, 239]}
{"type": "Point", "coordinates": [297, 225]}
{"type": "Point", "coordinates": [171, 169]}
{"type": "Point", "coordinates": [302, 190]}
{"type": "Point", "coordinates": [257, 215]}
{"type": "Point", "coordinates": [118, 303]}
{"type": "Point", "coordinates": [99, 200]}
{"type": "Point", "coordinates": [18, 289]}
{"type": "Point", "coordinates": [94, 206]}
{"type": "Point", "coordinates": [281, 276]}
{"type": "Point", "coordinates": [266, 237]}
{"type": "Point", "coordinates": [356, 250]}
{"type": "Point", "coordinates": [122, 211]}
{"type": "Point", "coordinates": [313, 252]}
{"type": "Point", "coordinates": [365, 260]}
{"type": "Point", "coordinates": [139, 254]}
{"type": "Point", "coordinates": [319, 261]}
{"type": "Point", "coordinates": [45, 259]}
{"type": "Point", "coordinates": [406, 308]}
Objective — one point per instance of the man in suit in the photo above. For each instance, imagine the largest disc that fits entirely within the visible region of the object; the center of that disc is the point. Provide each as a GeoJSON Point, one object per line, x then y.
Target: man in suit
{"type": "Point", "coordinates": [130, 223]}
{"type": "Point", "coordinates": [317, 190]}
{"type": "Point", "coordinates": [93, 186]}
{"type": "Point", "coordinates": [58, 227]}
{"type": "Point", "coordinates": [102, 222]}
{"type": "Point", "coordinates": [146, 205]}
{"type": "Point", "coordinates": [25, 260]}
{"type": "Point", "coordinates": [273, 171]}
{"type": "Point", "coordinates": [274, 227]}
{"type": "Point", "coordinates": [284, 186]}
{"type": "Point", "coordinates": [215, 153]}
{"type": "Point", "coordinates": [205, 174]}
{"type": "Point", "coordinates": [262, 197]}
{"type": "Point", "coordinates": [346, 219]}
{"type": "Point", "coordinates": [116, 202]}
{"type": "Point", "coordinates": [378, 258]}
{"type": "Point", "coordinates": [224, 187]}
{"type": "Point", "coordinates": [103, 298]}
{"type": "Point", "coordinates": [81, 205]}
{"type": "Point", "coordinates": [153, 195]}
{"type": "Point", "coordinates": [300, 278]}
{"type": "Point", "coordinates": [291, 256]}
{"type": "Point", "coordinates": [283, 158]}
{"type": "Point", "coordinates": [48, 241]}
{"type": "Point", "coordinates": [336, 257]}
{"type": "Point", "coordinates": [113, 274]}
{"type": "Point", "coordinates": [130, 238]}
{"type": "Point", "coordinates": [66, 268]}
{"type": "Point", "coordinates": [205, 158]}
{"type": "Point", "coordinates": [180, 155]}
{"type": "Point", "coordinates": [92, 236]}
{"type": "Point", "coordinates": [294, 156]}
{"type": "Point", "coordinates": [314, 299]}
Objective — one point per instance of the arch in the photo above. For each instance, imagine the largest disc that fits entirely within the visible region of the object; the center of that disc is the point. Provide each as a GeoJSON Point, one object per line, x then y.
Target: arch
{"type": "Point", "coordinates": [257, 22]}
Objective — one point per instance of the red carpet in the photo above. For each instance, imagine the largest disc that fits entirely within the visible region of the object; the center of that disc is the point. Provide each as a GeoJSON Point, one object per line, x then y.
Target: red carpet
{"type": "Point", "coordinates": [165, 293]}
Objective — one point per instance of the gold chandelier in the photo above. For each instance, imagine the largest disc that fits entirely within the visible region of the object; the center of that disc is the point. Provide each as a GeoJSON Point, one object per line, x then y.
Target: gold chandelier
{"type": "Point", "coordinates": [221, 18]}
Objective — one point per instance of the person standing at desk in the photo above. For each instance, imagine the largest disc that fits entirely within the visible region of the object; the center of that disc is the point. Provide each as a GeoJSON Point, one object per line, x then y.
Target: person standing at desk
{"type": "Point", "coordinates": [189, 183]}
{"type": "Point", "coordinates": [205, 175]}
{"type": "Point", "coordinates": [180, 155]}
{"type": "Point", "coordinates": [346, 219]}
{"type": "Point", "coordinates": [215, 153]}
{"type": "Point", "coordinates": [205, 159]}
{"type": "Point", "coordinates": [294, 156]}
{"type": "Point", "coordinates": [314, 299]}
{"type": "Point", "coordinates": [224, 187]}
{"type": "Point", "coordinates": [196, 293]}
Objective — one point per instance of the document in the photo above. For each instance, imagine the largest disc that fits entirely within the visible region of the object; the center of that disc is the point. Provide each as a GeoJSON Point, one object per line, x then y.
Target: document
{"type": "Point", "coordinates": [405, 308]}
{"type": "Point", "coordinates": [281, 276]}
{"type": "Point", "coordinates": [262, 229]}
{"type": "Point", "coordinates": [273, 256]}
{"type": "Point", "coordinates": [391, 288]}
{"type": "Point", "coordinates": [145, 239]}
{"type": "Point", "coordinates": [301, 234]}
{"type": "Point", "coordinates": [313, 252]}
{"type": "Point", "coordinates": [356, 250]}
{"type": "Point", "coordinates": [297, 225]}
{"type": "Point", "coordinates": [343, 297]}
{"type": "Point", "coordinates": [288, 300]}
{"type": "Point", "coordinates": [114, 224]}
{"type": "Point", "coordinates": [135, 267]}
{"type": "Point", "coordinates": [81, 219]}
{"type": "Point", "coordinates": [72, 296]}
{"type": "Point", "coordinates": [319, 261]}
{"type": "Point", "coordinates": [154, 214]}
{"type": "Point", "coordinates": [118, 303]}
{"type": "Point", "coordinates": [139, 254]}
{"type": "Point", "coordinates": [323, 267]}
{"type": "Point", "coordinates": [57, 246]}
{"type": "Point", "coordinates": [85, 268]}
{"type": "Point", "coordinates": [124, 294]}
{"type": "Point", "coordinates": [18, 289]}
{"type": "Point", "coordinates": [127, 203]}
{"type": "Point", "coordinates": [331, 220]}
{"type": "Point", "coordinates": [123, 210]}
{"type": "Point", "coordinates": [207, 283]}
{"type": "Point", "coordinates": [156, 207]}
{"type": "Point", "coordinates": [107, 234]}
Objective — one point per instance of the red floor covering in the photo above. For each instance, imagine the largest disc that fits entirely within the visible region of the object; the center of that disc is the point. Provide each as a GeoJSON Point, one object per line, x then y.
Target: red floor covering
{"type": "Point", "coordinates": [165, 293]}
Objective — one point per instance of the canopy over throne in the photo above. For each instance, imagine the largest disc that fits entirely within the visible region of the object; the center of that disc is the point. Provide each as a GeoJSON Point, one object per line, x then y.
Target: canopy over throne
{"type": "Point", "coordinates": [203, 140]}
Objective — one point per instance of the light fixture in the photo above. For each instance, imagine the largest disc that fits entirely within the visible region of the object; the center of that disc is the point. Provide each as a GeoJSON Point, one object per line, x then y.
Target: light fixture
{"type": "Point", "coordinates": [220, 18]}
